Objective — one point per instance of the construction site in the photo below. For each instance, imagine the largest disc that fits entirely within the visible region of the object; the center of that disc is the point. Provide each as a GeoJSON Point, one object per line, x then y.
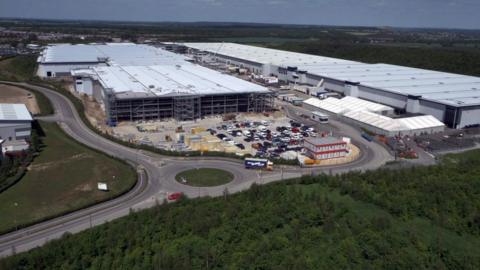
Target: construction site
{"type": "Point", "coordinates": [221, 100]}
{"type": "Point", "coordinates": [139, 83]}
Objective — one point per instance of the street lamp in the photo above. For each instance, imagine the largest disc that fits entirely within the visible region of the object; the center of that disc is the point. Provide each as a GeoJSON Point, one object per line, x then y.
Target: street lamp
{"type": "Point", "coordinates": [15, 215]}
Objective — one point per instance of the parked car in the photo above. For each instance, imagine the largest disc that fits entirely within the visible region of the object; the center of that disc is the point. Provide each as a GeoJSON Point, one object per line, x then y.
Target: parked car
{"type": "Point", "coordinates": [256, 145]}
{"type": "Point", "coordinates": [174, 196]}
{"type": "Point", "coordinates": [295, 124]}
{"type": "Point", "coordinates": [240, 145]}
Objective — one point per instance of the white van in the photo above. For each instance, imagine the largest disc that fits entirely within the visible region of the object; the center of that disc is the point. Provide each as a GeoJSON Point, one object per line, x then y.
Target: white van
{"type": "Point", "coordinates": [262, 128]}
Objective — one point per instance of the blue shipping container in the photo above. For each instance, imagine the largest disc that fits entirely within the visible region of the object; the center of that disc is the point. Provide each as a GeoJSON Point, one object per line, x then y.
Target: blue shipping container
{"type": "Point", "coordinates": [367, 137]}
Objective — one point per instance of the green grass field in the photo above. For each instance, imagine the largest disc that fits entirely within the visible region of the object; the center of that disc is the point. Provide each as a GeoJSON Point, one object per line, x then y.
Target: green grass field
{"type": "Point", "coordinates": [44, 104]}
{"type": "Point", "coordinates": [62, 178]}
{"type": "Point", "coordinates": [204, 177]}
{"type": "Point", "coordinates": [19, 68]}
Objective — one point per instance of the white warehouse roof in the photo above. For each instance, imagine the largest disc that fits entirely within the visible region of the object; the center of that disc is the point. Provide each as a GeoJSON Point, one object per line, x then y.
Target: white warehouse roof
{"type": "Point", "coordinates": [446, 88]}
{"type": "Point", "coordinates": [14, 112]}
{"type": "Point", "coordinates": [441, 87]}
{"type": "Point", "coordinates": [265, 55]}
{"type": "Point", "coordinates": [330, 105]}
{"type": "Point", "coordinates": [420, 122]}
{"type": "Point", "coordinates": [391, 125]}
{"type": "Point", "coordinates": [376, 120]}
{"type": "Point", "coordinates": [114, 53]}
{"type": "Point", "coordinates": [170, 80]}
{"type": "Point", "coordinates": [367, 113]}
{"type": "Point", "coordinates": [346, 104]}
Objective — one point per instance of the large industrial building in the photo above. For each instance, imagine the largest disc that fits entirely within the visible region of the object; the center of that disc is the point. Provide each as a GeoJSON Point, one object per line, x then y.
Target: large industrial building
{"type": "Point", "coordinates": [140, 82]}
{"type": "Point", "coordinates": [451, 98]}
{"type": "Point", "coordinates": [59, 59]}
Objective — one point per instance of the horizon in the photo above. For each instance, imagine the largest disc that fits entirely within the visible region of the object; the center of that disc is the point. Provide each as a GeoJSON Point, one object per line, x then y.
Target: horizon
{"type": "Point", "coordinates": [451, 14]}
{"type": "Point", "coordinates": [227, 22]}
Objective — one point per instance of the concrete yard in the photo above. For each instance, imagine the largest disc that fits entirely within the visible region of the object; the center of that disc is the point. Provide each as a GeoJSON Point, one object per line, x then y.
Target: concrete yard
{"type": "Point", "coordinates": [162, 134]}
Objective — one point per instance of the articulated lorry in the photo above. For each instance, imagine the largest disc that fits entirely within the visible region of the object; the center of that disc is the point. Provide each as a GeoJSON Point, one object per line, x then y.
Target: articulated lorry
{"type": "Point", "coordinates": [258, 163]}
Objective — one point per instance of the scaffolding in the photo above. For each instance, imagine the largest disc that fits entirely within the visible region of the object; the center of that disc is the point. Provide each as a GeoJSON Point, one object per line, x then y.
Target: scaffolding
{"type": "Point", "coordinates": [185, 108]}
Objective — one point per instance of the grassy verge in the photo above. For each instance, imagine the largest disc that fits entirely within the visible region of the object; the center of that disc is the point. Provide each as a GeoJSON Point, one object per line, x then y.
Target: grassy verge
{"type": "Point", "coordinates": [63, 178]}
{"type": "Point", "coordinates": [204, 177]}
{"type": "Point", "coordinates": [18, 68]}
{"type": "Point", "coordinates": [44, 104]}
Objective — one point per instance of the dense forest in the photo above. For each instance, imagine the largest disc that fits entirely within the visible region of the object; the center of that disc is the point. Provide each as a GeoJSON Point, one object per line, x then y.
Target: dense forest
{"type": "Point", "coordinates": [463, 61]}
{"type": "Point", "coordinates": [424, 217]}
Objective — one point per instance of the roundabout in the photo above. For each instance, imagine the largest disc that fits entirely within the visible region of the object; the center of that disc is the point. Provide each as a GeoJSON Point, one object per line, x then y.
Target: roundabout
{"type": "Point", "coordinates": [204, 177]}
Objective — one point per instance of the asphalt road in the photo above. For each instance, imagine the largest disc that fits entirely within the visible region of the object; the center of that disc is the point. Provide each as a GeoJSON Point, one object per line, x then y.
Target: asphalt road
{"type": "Point", "coordinates": [156, 177]}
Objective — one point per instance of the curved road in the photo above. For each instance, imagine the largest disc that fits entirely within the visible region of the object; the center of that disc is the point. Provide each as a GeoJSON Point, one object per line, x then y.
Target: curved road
{"type": "Point", "coordinates": [156, 177]}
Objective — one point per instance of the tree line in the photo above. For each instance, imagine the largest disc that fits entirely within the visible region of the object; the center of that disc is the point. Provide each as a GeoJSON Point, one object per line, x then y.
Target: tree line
{"type": "Point", "coordinates": [413, 218]}
{"type": "Point", "coordinates": [462, 61]}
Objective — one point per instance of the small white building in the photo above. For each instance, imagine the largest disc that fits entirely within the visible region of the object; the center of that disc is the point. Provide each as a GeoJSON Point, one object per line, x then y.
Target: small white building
{"type": "Point", "coordinates": [15, 122]}
{"type": "Point", "coordinates": [14, 146]}
{"type": "Point", "coordinates": [325, 148]}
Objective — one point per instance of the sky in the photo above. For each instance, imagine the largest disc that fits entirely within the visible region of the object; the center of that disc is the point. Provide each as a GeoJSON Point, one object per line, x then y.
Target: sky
{"type": "Point", "coordinates": [400, 13]}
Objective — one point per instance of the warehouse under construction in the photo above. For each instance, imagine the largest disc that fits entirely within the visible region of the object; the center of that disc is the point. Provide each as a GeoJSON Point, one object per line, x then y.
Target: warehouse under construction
{"type": "Point", "coordinates": [152, 84]}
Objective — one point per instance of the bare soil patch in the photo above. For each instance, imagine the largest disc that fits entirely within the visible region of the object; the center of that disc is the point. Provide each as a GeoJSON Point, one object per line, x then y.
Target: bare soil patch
{"type": "Point", "coordinates": [12, 94]}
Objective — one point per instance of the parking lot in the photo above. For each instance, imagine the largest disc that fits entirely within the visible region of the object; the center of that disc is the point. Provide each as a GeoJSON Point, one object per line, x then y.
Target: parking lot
{"type": "Point", "coordinates": [262, 135]}
{"type": "Point", "coordinates": [269, 139]}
